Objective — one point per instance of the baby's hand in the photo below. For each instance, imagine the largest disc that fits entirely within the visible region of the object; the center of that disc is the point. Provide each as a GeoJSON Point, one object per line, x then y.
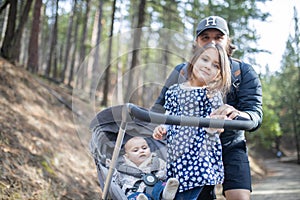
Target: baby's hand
{"type": "Point", "coordinates": [159, 132]}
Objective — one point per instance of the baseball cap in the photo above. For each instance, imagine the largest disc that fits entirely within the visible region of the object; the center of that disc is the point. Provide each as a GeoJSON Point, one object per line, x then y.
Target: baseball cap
{"type": "Point", "coordinates": [215, 22]}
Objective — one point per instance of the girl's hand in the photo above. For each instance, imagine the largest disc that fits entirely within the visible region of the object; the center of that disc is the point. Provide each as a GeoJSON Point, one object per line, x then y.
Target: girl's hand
{"type": "Point", "coordinates": [159, 132]}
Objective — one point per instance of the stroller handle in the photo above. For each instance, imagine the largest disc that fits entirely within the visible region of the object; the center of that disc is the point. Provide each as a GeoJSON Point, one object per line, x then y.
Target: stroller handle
{"type": "Point", "coordinates": [159, 118]}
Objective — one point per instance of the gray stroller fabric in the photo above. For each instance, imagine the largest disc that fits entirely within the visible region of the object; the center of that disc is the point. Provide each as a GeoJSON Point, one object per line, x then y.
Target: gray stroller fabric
{"type": "Point", "coordinates": [105, 127]}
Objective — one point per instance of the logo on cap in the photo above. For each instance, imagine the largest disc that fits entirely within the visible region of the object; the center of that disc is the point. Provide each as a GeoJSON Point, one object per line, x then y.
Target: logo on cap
{"type": "Point", "coordinates": [211, 21]}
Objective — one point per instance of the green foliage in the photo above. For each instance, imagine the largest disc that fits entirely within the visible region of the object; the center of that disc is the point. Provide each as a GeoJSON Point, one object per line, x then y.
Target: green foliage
{"type": "Point", "coordinates": [270, 128]}
{"type": "Point", "coordinates": [289, 85]}
{"type": "Point", "coordinates": [280, 101]}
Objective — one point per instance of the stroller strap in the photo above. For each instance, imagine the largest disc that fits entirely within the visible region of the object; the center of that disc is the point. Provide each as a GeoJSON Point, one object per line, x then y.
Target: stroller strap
{"type": "Point", "coordinates": [149, 179]}
{"type": "Point", "coordinates": [129, 170]}
{"type": "Point", "coordinates": [133, 171]}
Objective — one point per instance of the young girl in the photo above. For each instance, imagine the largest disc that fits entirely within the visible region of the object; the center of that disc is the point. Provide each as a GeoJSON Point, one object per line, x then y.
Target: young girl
{"type": "Point", "coordinates": [194, 153]}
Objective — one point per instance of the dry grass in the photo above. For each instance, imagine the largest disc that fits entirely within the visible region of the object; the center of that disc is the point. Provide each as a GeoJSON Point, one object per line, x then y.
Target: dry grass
{"type": "Point", "coordinates": [42, 156]}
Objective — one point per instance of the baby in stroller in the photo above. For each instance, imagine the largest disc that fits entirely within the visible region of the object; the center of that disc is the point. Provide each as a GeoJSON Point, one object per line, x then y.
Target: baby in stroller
{"type": "Point", "coordinates": [143, 173]}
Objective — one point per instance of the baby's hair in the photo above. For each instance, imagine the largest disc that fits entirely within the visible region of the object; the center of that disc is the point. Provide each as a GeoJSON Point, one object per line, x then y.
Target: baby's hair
{"type": "Point", "coordinates": [133, 137]}
{"type": "Point", "coordinates": [223, 81]}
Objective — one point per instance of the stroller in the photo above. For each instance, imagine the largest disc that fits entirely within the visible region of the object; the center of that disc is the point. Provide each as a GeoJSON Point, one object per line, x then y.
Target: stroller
{"type": "Point", "coordinates": [106, 127]}
{"type": "Point", "coordinates": [113, 125]}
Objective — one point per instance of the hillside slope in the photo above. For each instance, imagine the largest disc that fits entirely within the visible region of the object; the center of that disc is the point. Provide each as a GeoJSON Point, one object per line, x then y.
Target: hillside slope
{"type": "Point", "coordinates": [42, 156]}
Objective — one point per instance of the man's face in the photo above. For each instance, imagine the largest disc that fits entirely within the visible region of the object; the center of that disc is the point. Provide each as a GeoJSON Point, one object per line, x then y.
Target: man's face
{"type": "Point", "coordinates": [212, 36]}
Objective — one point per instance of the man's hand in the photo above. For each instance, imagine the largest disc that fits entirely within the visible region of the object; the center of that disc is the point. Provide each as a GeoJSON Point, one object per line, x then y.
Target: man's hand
{"type": "Point", "coordinates": [230, 112]}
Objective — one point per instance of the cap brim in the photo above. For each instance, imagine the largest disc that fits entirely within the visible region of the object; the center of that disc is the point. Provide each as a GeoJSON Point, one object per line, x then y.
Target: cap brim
{"type": "Point", "coordinates": [219, 29]}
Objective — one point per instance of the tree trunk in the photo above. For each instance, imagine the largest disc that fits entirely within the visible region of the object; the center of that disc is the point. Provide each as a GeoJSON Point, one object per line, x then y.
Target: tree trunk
{"type": "Point", "coordinates": [119, 92]}
{"type": "Point", "coordinates": [52, 53]}
{"type": "Point", "coordinates": [16, 43]}
{"type": "Point", "coordinates": [4, 20]}
{"type": "Point", "coordinates": [80, 80]}
{"type": "Point", "coordinates": [95, 70]}
{"type": "Point", "coordinates": [72, 65]}
{"type": "Point", "coordinates": [84, 31]}
{"type": "Point", "coordinates": [33, 47]}
{"type": "Point", "coordinates": [166, 41]}
{"type": "Point", "coordinates": [133, 79]}
{"type": "Point", "coordinates": [68, 43]}
{"type": "Point", "coordinates": [108, 64]}
{"type": "Point", "coordinates": [10, 30]}
{"type": "Point", "coordinates": [44, 42]}
{"type": "Point", "coordinates": [5, 4]}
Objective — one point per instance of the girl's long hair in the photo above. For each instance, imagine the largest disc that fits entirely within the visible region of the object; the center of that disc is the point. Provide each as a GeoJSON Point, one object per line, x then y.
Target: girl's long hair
{"type": "Point", "coordinates": [223, 80]}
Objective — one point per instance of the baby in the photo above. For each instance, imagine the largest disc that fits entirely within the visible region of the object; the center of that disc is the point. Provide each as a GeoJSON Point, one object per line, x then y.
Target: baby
{"type": "Point", "coordinates": [139, 157]}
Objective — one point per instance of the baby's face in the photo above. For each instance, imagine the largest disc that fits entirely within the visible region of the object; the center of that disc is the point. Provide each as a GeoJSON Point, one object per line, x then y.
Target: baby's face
{"type": "Point", "coordinates": [137, 150]}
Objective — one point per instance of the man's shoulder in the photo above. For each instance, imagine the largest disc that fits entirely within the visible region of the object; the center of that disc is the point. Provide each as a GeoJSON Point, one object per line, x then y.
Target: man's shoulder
{"type": "Point", "coordinates": [236, 60]}
{"type": "Point", "coordinates": [180, 66]}
{"type": "Point", "coordinates": [181, 71]}
{"type": "Point", "coordinates": [240, 67]}
{"type": "Point", "coordinates": [239, 63]}
{"type": "Point", "coordinates": [242, 71]}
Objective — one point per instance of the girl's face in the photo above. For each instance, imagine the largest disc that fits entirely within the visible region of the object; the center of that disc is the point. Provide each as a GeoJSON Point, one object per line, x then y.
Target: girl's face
{"type": "Point", "coordinates": [206, 68]}
{"type": "Point", "coordinates": [137, 150]}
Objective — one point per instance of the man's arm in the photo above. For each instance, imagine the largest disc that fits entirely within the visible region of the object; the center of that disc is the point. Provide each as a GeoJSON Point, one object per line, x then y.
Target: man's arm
{"type": "Point", "coordinates": [250, 95]}
{"type": "Point", "coordinates": [246, 99]}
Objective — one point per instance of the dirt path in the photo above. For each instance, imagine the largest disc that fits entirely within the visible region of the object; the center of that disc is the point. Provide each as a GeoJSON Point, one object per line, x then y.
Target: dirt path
{"type": "Point", "coordinates": [282, 182]}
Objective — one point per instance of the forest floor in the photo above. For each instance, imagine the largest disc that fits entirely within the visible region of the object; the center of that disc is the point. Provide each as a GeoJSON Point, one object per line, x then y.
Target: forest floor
{"type": "Point", "coordinates": [281, 182]}
{"type": "Point", "coordinates": [43, 155]}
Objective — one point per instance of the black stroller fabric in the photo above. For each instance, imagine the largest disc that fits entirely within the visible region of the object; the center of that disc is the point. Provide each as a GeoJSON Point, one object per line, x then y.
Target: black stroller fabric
{"type": "Point", "coordinates": [105, 127]}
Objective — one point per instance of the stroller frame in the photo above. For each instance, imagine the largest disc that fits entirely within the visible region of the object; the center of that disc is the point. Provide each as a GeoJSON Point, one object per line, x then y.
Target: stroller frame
{"type": "Point", "coordinates": [131, 111]}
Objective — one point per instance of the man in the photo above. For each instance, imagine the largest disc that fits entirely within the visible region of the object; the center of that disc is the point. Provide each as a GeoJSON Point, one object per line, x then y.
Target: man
{"type": "Point", "coordinates": [244, 100]}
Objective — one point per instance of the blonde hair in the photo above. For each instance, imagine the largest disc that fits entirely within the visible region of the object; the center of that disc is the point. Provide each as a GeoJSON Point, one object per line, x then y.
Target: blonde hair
{"type": "Point", "coordinates": [223, 80]}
